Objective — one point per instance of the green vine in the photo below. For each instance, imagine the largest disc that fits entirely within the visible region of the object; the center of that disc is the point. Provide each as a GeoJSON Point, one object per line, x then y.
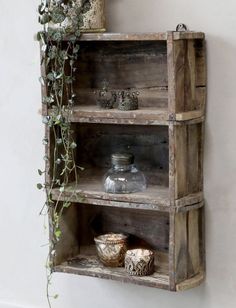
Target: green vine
{"type": "Point", "coordinates": [62, 21]}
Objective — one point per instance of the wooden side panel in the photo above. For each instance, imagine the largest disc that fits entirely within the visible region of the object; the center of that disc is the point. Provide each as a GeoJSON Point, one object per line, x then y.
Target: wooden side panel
{"type": "Point", "coordinates": [181, 247]}
{"type": "Point", "coordinates": [186, 245]}
{"type": "Point", "coordinates": [181, 161]}
{"type": "Point", "coordinates": [186, 75]}
{"type": "Point", "coordinates": [193, 243]}
{"type": "Point", "coordinates": [190, 76]}
{"type": "Point", "coordinates": [68, 246]}
{"type": "Point", "coordinates": [188, 159]}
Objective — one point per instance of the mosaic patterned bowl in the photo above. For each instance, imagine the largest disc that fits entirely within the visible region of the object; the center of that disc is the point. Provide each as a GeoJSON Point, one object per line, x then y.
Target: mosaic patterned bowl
{"type": "Point", "coordinates": [139, 262]}
{"type": "Point", "coordinates": [111, 249]}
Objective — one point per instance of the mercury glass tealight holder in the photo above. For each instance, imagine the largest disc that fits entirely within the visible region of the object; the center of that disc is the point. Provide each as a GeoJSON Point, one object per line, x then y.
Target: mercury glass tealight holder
{"type": "Point", "coordinates": [139, 262]}
{"type": "Point", "coordinates": [111, 249]}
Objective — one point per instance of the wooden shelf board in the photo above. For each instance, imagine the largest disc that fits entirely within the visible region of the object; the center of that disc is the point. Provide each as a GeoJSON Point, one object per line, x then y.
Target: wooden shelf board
{"type": "Point", "coordinates": [88, 265]}
{"type": "Point", "coordinates": [149, 36]}
{"type": "Point", "coordinates": [90, 191]}
{"type": "Point", "coordinates": [142, 116]}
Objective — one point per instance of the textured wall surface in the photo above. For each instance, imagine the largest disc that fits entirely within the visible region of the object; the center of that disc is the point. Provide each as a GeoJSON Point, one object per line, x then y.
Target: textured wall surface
{"type": "Point", "coordinates": [22, 274]}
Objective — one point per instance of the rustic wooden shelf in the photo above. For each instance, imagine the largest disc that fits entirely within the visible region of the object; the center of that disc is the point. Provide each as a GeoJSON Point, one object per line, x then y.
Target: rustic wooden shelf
{"type": "Point", "coordinates": [149, 36]}
{"type": "Point", "coordinates": [90, 266]}
{"type": "Point", "coordinates": [156, 197]}
{"type": "Point", "coordinates": [166, 136]}
{"type": "Point", "coordinates": [142, 116]}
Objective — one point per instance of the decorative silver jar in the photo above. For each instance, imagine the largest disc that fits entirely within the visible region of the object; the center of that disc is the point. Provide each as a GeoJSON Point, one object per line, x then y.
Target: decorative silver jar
{"type": "Point", "coordinates": [111, 249]}
{"type": "Point", "coordinates": [139, 262]}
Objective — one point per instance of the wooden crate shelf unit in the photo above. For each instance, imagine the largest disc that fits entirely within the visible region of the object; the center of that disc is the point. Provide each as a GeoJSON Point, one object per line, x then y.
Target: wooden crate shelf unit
{"type": "Point", "coordinates": [166, 136]}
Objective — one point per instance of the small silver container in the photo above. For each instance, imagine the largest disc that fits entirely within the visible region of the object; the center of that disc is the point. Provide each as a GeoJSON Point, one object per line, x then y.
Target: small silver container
{"type": "Point", "coordinates": [111, 249]}
{"type": "Point", "coordinates": [139, 262]}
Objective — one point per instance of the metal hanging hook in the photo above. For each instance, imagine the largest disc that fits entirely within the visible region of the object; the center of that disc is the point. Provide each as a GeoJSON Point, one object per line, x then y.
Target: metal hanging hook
{"type": "Point", "coordinates": [181, 28]}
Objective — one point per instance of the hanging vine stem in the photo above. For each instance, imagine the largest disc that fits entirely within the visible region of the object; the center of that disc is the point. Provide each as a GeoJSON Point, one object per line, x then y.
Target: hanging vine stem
{"type": "Point", "coordinates": [61, 31]}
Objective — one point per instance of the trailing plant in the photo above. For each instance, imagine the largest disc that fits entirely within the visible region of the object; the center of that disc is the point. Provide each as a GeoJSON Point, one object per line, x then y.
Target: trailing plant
{"type": "Point", "coordinates": [61, 20]}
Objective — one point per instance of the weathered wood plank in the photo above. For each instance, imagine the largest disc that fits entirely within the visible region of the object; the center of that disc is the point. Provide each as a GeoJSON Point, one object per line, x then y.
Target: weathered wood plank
{"type": "Point", "coordinates": [90, 266]}
{"type": "Point", "coordinates": [188, 35]}
{"type": "Point", "coordinates": [125, 65]}
{"type": "Point", "coordinates": [155, 97]}
{"type": "Point", "coordinates": [193, 282]}
{"type": "Point", "coordinates": [138, 36]}
{"type": "Point", "coordinates": [190, 76]}
{"type": "Point", "coordinates": [157, 36]}
{"type": "Point", "coordinates": [193, 243]}
{"type": "Point", "coordinates": [180, 161]}
{"type": "Point", "coordinates": [91, 189]}
{"type": "Point", "coordinates": [189, 115]}
{"type": "Point", "coordinates": [181, 247]}
{"type": "Point", "coordinates": [68, 246]}
{"type": "Point", "coordinates": [189, 199]}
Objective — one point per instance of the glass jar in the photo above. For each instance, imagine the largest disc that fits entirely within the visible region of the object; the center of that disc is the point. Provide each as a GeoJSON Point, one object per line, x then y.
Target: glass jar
{"type": "Point", "coordinates": [124, 177]}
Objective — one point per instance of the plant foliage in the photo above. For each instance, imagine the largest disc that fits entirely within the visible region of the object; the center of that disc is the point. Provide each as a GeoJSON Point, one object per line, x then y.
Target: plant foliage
{"type": "Point", "coordinates": [61, 21]}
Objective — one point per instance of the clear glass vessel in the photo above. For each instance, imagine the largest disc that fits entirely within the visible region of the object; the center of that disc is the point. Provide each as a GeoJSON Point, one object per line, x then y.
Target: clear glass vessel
{"type": "Point", "coordinates": [124, 177]}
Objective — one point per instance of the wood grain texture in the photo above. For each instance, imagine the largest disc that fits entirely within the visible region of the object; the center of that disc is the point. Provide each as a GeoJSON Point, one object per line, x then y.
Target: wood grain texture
{"type": "Point", "coordinates": [186, 75]}
{"type": "Point", "coordinates": [135, 65]}
{"type": "Point", "coordinates": [193, 282]}
{"type": "Point", "coordinates": [90, 266]}
{"type": "Point", "coordinates": [68, 246]}
{"type": "Point", "coordinates": [148, 144]}
{"type": "Point", "coordinates": [193, 243]}
{"type": "Point", "coordinates": [188, 147]}
{"type": "Point", "coordinates": [166, 136]}
{"type": "Point", "coordinates": [137, 36]}
{"type": "Point", "coordinates": [181, 248]}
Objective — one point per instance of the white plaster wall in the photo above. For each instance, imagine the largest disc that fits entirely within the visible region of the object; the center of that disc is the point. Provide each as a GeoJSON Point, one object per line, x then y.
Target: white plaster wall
{"type": "Point", "coordinates": [22, 279]}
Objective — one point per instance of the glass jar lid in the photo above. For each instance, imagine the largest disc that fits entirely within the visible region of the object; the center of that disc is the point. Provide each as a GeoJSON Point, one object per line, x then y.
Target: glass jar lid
{"type": "Point", "coordinates": [121, 159]}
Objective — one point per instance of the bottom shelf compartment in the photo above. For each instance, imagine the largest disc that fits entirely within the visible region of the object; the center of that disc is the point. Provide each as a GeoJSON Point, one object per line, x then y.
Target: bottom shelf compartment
{"type": "Point", "coordinates": [177, 240]}
{"type": "Point", "coordinates": [87, 264]}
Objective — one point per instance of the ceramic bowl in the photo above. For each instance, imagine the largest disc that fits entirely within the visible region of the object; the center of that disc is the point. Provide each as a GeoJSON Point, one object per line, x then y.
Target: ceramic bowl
{"type": "Point", "coordinates": [139, 262]}
{"type": "Point", "coordinates": [111, 249]}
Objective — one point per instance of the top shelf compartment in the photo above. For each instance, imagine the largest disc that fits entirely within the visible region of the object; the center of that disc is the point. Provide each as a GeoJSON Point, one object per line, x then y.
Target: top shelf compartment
{"type": "Point", "coordinates": [167, 69]}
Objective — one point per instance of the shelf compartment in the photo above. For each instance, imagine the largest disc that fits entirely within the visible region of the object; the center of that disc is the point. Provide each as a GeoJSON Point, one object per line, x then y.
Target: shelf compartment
{"type": "Point", "coordinates": [90, 266]}
{"type": "Point", "coordinates": [90, 191]}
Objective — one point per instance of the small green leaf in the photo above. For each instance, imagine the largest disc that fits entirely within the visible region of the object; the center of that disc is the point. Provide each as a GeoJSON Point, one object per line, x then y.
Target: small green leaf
{"type": "Point", "coordinates": [39, 186]}
{"type": "Point", "coordinates": [57, 233]}
{"type": "Point", "coordinates": [67, 204]}
{"type": "Point", "coordinates": [40, 172]}
{"type": "Point", "coordinates": [73, 145]}
{"type": "Point", "coordinates": [62, 189]}
{"type": "Point", "coordinates": [55, 296]}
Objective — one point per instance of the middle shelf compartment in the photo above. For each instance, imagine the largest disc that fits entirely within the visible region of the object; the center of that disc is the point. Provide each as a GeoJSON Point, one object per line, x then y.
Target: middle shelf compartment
{"type": "Point", "coordinates": [151, 148]}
